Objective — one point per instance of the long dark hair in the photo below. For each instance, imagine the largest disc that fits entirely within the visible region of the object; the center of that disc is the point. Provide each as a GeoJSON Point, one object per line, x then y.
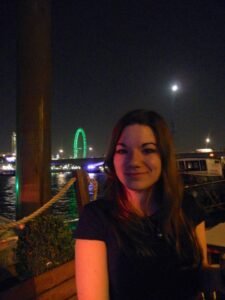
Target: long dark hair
{"type": "Point", "coordinates": [168, 191]}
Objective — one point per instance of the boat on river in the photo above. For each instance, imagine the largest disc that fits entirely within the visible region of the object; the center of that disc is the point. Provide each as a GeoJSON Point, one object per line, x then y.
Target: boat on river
{"type": "Point", "coordinates": [200, 167]}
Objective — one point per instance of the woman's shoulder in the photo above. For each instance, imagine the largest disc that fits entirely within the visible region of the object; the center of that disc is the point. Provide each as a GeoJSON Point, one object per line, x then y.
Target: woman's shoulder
{"type": "Point", "coordinates": [101, 205]}
{"type": "Point", "coordinates": [94, 222]}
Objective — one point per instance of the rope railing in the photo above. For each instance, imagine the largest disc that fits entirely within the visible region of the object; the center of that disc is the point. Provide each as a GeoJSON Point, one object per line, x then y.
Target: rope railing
{"type": "Point", "coordinates": [55, 198]}
{"type": "Point", "coordinates": [40, 210]}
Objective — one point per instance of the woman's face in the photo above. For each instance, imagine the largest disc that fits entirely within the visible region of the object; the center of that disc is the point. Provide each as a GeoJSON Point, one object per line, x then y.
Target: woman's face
{"type": "Point", "coordinates": [136, 160]}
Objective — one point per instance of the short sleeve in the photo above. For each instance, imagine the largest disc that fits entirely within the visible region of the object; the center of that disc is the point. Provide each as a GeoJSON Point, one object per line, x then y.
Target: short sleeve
{"type": "Point", "coordinates": [193, 210]}
{"type": "Point", "coordinates": [91, 225]}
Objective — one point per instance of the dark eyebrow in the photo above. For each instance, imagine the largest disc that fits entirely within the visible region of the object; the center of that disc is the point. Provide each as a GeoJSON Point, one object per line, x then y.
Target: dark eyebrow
{"type": "Point", "coordinates": [148, 144]}
{"type": "Point", "coordinates": [121, 144]}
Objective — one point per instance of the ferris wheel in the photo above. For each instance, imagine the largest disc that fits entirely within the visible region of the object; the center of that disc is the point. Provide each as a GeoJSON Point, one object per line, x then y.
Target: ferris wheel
{"type": "Point", "coordinates": [80, 144]}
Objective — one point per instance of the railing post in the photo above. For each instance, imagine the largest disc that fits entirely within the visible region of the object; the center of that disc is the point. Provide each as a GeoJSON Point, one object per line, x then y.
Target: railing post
{"type": "Point", "coordinates": [81, 188]}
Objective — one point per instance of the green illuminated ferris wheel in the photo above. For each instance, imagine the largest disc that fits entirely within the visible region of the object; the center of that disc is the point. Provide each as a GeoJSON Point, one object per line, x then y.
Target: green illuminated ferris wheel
{"type": "Point", "coordinates": [80, 148]}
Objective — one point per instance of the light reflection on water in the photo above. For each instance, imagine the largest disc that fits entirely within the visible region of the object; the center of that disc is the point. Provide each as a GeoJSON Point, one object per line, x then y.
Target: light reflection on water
{"type": "Point", "coordinates": [7, 197]}
{"type": "Point", "coordinates": [66, 205]}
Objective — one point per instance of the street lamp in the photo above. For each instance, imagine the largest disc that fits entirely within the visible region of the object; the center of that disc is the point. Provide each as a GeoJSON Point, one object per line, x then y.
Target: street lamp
{"type": "Point", "coordinates": [61, 153]}
{"type": "Point", "coordinates": [90, 149]}
{"type": "Point", "coordinates": [174, 88]}
{"type": "Point", "coordinates": [207, 141]}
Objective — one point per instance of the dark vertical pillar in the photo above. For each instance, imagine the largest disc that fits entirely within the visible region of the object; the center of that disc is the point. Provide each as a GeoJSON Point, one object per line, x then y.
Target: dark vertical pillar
{"type": "Point", "coordinates": [33, 105]}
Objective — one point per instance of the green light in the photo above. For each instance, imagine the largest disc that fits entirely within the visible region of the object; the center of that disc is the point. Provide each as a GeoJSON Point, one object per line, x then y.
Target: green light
{"type": "Point", "coordinates": [17, 191]}
{"type": "Point", "coordinates": [76, 147]}
{"type": "Point", "coordinates": [17, 186]}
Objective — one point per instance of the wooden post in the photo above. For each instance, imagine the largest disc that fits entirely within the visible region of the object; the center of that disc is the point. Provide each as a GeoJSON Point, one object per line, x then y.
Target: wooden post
{"type": "Point", "coordinates": [81, 188]}
{"type": "Point", "coordinates": [33, 105]}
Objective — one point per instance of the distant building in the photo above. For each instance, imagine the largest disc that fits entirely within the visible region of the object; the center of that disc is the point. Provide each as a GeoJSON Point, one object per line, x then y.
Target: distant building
{"type": "Point", "coordinates": [13, 143]}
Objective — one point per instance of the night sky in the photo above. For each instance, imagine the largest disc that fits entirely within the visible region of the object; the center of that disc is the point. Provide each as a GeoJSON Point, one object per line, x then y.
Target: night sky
{"type": "Point", "coordinates": [110, 57]}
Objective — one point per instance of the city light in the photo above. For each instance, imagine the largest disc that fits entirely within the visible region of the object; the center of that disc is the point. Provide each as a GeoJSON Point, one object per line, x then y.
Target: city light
{"type": "Point", "coordinates": [207, 140]}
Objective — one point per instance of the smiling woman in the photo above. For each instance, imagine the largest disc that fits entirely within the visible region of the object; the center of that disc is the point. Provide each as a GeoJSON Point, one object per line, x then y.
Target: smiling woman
{"type": "Point", "coordinates": [138, 242]}
{"type": "Point", "coordinates": [137, 164]}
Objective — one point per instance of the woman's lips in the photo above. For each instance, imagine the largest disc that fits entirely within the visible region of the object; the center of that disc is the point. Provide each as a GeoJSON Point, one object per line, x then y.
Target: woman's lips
{"type": "Point", "coordinates": [134, 174]}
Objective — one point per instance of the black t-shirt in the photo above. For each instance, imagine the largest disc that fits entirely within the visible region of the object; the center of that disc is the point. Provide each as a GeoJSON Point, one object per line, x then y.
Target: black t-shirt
{"type": "Point", "coordinates": [133, 276]}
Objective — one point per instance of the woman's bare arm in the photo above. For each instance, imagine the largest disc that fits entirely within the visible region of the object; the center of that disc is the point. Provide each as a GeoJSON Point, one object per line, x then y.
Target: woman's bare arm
{"type": "Point", "coordinates": [91, 270]}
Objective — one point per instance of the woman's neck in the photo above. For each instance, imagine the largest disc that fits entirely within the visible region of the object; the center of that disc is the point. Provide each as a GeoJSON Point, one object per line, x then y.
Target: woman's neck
{"type": "Point", "coordinates": [142, 202]}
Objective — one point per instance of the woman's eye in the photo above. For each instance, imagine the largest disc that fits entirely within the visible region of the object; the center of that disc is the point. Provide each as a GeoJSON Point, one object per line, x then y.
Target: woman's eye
{"type": "Point", "coordinates": [149, 150]}
{"type": "Point", "coordinates": [121, 151]}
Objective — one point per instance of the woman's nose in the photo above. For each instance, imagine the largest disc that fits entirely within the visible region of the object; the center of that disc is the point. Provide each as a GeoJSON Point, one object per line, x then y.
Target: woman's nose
{"type": "Point", "coordinates": [134, 158]}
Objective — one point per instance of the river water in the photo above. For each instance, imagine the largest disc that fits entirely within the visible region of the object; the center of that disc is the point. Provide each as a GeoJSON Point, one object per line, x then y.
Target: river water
{"type": "Point", "coordinates": [66, 205]}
